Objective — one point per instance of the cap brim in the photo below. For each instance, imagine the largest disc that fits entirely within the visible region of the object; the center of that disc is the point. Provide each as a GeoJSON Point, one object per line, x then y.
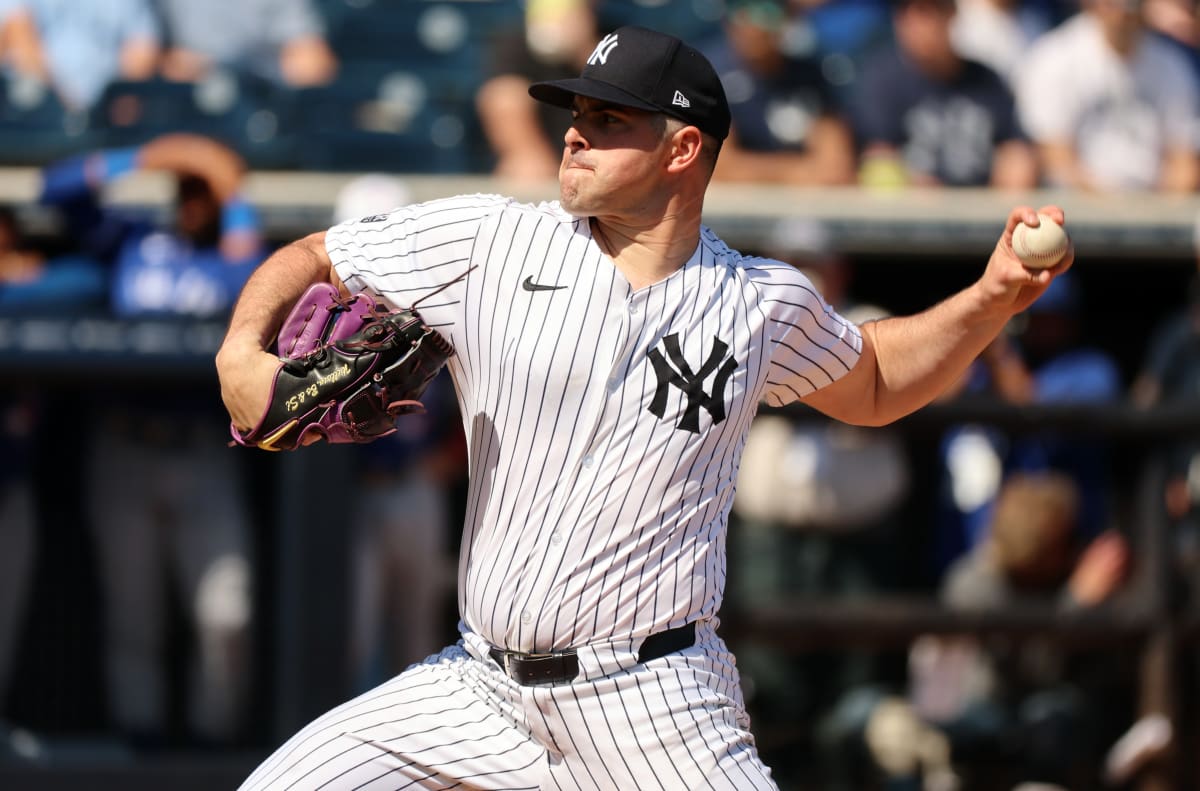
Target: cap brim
{"type": "Point", "coordinates": [562, 93]}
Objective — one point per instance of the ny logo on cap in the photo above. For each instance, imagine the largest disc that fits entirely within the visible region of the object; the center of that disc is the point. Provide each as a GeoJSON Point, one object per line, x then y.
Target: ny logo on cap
{"type": "Point", "coordinates": [602, 50]}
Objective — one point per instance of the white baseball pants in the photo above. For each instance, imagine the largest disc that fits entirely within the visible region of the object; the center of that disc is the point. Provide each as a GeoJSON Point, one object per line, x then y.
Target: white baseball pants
{"type": "Point", "coordinates": [457, 721]}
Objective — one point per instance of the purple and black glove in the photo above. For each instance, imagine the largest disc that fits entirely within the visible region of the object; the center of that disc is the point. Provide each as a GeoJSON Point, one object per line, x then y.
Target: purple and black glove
{"type": "Point", "coordinates": [349, 368]}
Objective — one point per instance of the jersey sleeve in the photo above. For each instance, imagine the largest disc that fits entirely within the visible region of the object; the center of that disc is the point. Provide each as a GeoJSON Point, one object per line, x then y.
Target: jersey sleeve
{"type": "Point", "coordinates": [413, 256]}
{"type": "Point", "coordinates": [810, 344]}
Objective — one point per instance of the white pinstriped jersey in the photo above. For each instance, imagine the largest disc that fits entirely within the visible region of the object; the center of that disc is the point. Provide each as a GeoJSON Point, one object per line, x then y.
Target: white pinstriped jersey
{"type": "Point", "coordinates": [604, 425]}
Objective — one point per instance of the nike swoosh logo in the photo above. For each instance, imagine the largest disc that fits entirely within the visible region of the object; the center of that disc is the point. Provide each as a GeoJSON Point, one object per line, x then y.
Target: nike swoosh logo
{"type": "Point", "coordinates": [529, 285]}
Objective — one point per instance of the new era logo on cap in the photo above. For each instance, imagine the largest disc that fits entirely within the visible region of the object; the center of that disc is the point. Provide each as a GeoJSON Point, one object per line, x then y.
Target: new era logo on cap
{"type": "Point", "coordinates": [648, 70]}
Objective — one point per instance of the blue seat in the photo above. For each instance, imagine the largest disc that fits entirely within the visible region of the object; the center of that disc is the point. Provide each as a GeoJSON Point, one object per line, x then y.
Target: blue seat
{"type": "Point", "coordinates": [451, 82]}
{"type": "Point", "coordinates": [398, 124]}
{"type": "Point", "coordinates": [429, 53]}
{"type": "Point", "coordinates": [447, 34]}
{"type": "Point", "coordinates": [245, 112]}
{"type": "Point", "coordinates": [409, 32]}
{"type": "Point", "coordinates": [35, 127]}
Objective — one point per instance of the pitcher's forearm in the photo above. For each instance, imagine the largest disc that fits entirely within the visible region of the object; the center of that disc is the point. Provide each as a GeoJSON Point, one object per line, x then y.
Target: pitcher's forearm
{"type": "Point", "coordinates": [908, 361]}
{"type": "Point", "coordinates": [918, 357]}
{"type": "Point", "coordinates": [273, 288]}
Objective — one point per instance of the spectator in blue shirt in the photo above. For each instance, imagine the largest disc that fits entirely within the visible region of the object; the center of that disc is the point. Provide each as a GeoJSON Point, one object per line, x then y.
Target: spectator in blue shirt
{"type": "Point", "coordinates": [280, 40]}
{"type": "Point", "coordinates": [78, 48]}
{"type": "Point", "coordinates": [195, 268]}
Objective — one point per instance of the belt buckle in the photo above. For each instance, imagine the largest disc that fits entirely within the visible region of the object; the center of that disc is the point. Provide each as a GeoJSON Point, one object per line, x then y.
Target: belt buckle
{"type": "Point", "coordinates": [512, 669]}
{"type": "Point", "coordinates": [512, 658]}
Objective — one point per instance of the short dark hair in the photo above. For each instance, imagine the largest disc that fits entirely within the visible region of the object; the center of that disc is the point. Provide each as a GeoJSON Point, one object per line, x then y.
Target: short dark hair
{"type": "Point", "coordinates": [665, 125]}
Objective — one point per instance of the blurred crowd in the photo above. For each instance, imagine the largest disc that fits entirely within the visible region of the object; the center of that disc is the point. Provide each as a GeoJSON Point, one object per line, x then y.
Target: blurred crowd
{"type": "Point", "coordinates": [1004, 521]}
{"type": "Point", "coordinates": [824, 92]}
{"type": "Point", "coordinates": [1099, 95]}
{"type": "Point", "coordinates": [161, 515]}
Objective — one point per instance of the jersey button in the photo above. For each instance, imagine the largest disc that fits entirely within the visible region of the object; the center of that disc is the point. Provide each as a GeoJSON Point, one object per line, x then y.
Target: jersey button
{"type": "Point", "coordinates": [587, 462]}
{"type": "Point", "coordinates": [614, 385]}
{"type": "Point", "coordinates": [526, 617]}
{"type": "Point", "coordinates": [556, 538]}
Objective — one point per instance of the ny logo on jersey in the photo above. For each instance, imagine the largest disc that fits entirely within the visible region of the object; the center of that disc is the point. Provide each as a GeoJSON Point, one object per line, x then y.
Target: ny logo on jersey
{"type": "Point", "coordinates": [601, 52]}
{"type": "Point", "coordinates": [679, 374]}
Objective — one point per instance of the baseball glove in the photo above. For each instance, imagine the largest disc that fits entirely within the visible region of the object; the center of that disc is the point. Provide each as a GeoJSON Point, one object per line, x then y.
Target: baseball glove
{"type": "Point", "coordinates": [348, 369]}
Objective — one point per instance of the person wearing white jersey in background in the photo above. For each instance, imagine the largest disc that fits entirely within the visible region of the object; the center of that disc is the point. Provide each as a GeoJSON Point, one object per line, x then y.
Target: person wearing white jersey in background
{"type": "Point", "coordinates": [611, 353]}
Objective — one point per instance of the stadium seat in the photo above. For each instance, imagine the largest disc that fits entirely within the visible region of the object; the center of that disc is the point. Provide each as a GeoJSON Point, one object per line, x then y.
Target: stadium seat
{"type": "Point", "coordinates": [406, 85]}
{"type": "Point", "coordinates": [35, 128]}
{"type": "Point", "coordinates": [690, 20]}
{"type": "Point", "coordinates": [396, 123]}
{"type": "Point", "coordinates": [245, 112]}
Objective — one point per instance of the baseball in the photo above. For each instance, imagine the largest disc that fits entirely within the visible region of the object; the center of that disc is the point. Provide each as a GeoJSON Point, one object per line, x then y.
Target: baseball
{"type": "Point", "coordinates": [1041, 247]}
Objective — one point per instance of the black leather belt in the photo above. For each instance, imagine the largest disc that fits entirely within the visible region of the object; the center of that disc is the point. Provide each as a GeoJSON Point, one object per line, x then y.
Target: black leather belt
{"type": "Point", "coordinates": [531, 670]}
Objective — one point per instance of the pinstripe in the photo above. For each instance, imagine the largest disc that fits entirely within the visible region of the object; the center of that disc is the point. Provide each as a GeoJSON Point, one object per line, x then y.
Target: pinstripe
{"type": "Point", "coordinates": [560, 415]}
{"type": "Point", "coordinates": [590, 735]}
{"type": "Point", "coordinates": [604, 431]}
{"type": "Point", "coordinates": [332, 731]}
{"type": "Point", "coordinates": [614, 747]}
{"type": "Point", "coordinates": [680, 722]}
{"type": "Point", "coordinates": [530, 432]}
{"type": "Point", "coordinates": [558, 418]}
{"type": "Point", "coordinates": [516, 564]}
{"type": "Point", "coordinates": [332, 720]}
{"type": "Point", "coordinates": [701, 743]}
{"type": "Point", "coordinates": [350, 748]}
{"type": "Point", "coordinates": [839, 337]}
{"type": "Point", "coordinates": [663, 467]}
{"type": "Point", "coordinates": [477, 494]}
{"type": "Point", "coordinates": [511, 528]}
{"type": "Point", "coordinates": [654, 725]}
{"type": "Point", "coordinates": [477, 737]}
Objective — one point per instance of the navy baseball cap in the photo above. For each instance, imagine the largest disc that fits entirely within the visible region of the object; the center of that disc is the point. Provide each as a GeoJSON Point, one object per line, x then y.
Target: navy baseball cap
{"type": "Point", "coordinates": [641, 68]}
